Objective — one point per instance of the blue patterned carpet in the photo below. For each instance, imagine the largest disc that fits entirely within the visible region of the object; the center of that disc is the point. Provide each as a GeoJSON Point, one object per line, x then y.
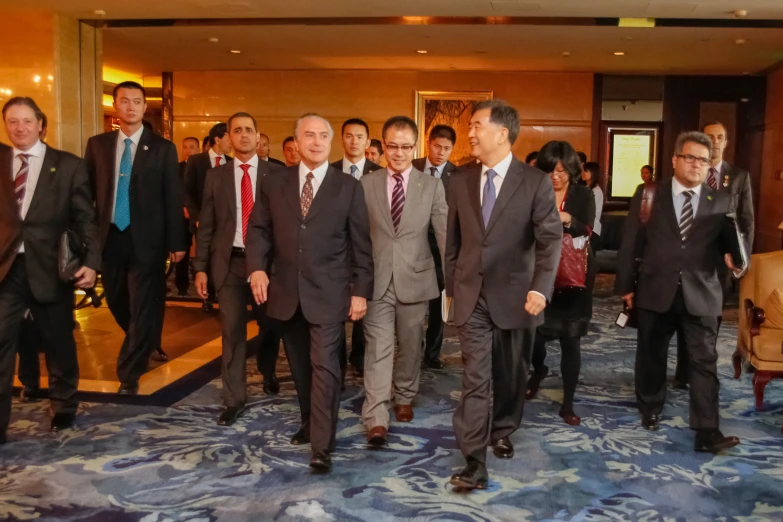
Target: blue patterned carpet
{"type": "Point", "coordinates": [155, 464]}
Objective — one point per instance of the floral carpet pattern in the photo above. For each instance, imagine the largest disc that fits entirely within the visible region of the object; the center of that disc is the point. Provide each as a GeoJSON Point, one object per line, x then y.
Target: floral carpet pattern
{"type": "Point", "coordinates": [155, 464]}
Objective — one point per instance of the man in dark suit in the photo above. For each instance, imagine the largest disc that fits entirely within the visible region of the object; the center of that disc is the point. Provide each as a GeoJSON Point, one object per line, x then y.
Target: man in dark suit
{"type": "Point", "coordinates": [43, 193]}
{"type": "Point", "coordinates": [139, 199]}
{"type": "Point", "coordinates": [263, 150]}
{"type": "Point", "coordinates": [356, 138]}
{"type": "Point", "coordinates": [439, 146]}
{"type": "Point", "coordinates": [190, 147]}
{"type": "Point", "coordinates": [502, 252]}
{"type": "Point", "coordinates": [195, 176]}
{"type": "Point", "coordinates": [676, 285]}
{"type": "Point", "coordinates": [723, 177]}
{"type": "Point", "coordinates": [229, 195]}
{"type": "Point", "coordinates": [290, 153]}
{"type": "Point", "coordinates": [312, 221]}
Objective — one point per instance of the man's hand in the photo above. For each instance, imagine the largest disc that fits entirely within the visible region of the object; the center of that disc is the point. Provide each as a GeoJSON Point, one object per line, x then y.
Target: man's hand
{"type": "Point", "coordinates": [730, 264]}
{"type": "Point", "coordinates": [259, 284]}
{"type": "Point", "coordinates": [535, 303]}
{"type": "Point", "coordinates": [201, 284]}
{"type": "Point", "coordinates": [358, 308]}
{"type": "Point", "coordinates": [176, 257]}
{"type": "Point", "coordinates": [187, 214]}
{"type": "Point", "coordinates": [85, 278]}
{"type": "Point", "coordinates": [628, 298]}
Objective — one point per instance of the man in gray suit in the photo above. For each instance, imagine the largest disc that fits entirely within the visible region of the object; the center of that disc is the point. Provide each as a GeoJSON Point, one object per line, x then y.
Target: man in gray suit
{"type": "Point", "coordinates": [502, 252]}
{"type": "Point", "coordinates": [402, 203]}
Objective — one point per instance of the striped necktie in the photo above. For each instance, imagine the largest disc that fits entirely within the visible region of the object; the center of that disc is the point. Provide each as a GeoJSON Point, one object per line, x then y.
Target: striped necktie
{"type": "Point", "coordinates": [20, 181]}
{"type": "Point", "coordinates": [246, 192]}
{"type": "Point", "coordinates": [686, 216]}
{"type": "Point", "coordinates": [398, 201]}
{"type": "Point", "coordinates": [712, 178]}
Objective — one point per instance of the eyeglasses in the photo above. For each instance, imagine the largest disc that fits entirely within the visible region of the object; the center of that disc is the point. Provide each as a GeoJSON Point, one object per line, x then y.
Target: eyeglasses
{"type": "Point", "coordinates": [687, 158]}
{"type": "Point", "coordinates": [407, 149]}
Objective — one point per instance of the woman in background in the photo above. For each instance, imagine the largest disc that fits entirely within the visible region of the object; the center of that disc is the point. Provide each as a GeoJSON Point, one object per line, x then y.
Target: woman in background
{"type": "Point", "coordinates": [648, 174]}
{"type": "Point", "coordinates": [568, 314]}
{"type": "Point", "coordinates": [590, 179]}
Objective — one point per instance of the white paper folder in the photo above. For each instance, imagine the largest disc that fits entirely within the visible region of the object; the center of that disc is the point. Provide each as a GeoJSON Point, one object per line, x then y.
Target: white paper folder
{"type": "Point", "coordinates": [446, 310]}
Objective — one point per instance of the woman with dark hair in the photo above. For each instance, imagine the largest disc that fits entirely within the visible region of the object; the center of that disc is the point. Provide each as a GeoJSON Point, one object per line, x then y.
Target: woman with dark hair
{"type": "Point", "coordinates": [568, 315]}
{"type": "Point", "coordinates": [590, 179]}
{"type": "Point", "coordinates": [530, 159]}
{"type": "Point", "coordinates": [648, 174]}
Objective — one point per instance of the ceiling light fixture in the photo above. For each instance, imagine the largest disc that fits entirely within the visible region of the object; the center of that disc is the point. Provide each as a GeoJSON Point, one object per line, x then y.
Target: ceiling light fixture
{"type": "Point", "coordinates": [740, 41]}
{"type": "Point", "coordinates": [566, 53]}
{"type": "Point", "coordinates": [235, 51]}
{"type": "Point", "coordinates": [213, 40]}
{"type": "Point", "coordinates": [421, 51]}
{"type": "Point", "coordinates": [740, 13]}
{"type": "Point", "coordinates": [99, 12]}
{"type": "Point", "coordinates": [619, 53]}
{"type": "Point", "coordinates": [36, 78]}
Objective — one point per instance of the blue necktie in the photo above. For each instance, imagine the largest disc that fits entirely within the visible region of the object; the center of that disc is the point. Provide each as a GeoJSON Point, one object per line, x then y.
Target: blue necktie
{"type": "Point", "coordinates": [489, 196]}
{"type": "Point", "coordinates": [354, 171]}
{"type": "Point", "coordinates": [122, 205]}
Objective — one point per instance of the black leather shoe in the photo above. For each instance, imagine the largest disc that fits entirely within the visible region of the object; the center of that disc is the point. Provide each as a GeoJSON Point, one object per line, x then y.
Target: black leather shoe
{"type": "Point", "coordinates": [321, 461]}
{"type": "Point", "coordinates": [503, 449]}
{"type": "Point", "coordinates": [30, 394]}
{"type": "Point", "coordinates": [652, 421]}
{"type": "Point", "coordinates": [62, 421]}
{"type": "Point", "coordinates": [128, 388]}
{"type": "Point", "coordinates": [271, 386]}
{"type": "Point", "coordinates": [3, 438]}
{"type": "Point", "coordinates": [434, 364]}
{"type": "Point", "coordinates": [159, 355]}
{"type": "Point", "coordinates": [207, 307]}
{"type": "Point", "coordinates": [474, 476]}
{"type": "Point", "coordinates": [301, 437]}
{"type": "Point", "coordinates": [713, 441]}
{"type": "Point", "coordinates": [230, 415]}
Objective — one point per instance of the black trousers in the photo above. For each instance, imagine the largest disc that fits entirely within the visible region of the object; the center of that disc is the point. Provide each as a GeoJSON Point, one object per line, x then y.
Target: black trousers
{"type": "Point", "coordinates": [136, 295]}
{"type": "Point", "coordinates": [29, 369]}
{"type": "Point", "coordinates": [54, 323]}
{"type": "Point", "coordinates": [433, 337]}
{"type": "Point", "coordinates": [700, 335]}
{"type": "Point", "coordinates": [269, 343]}
{"type": "Point", "coordinates": [570, 363]}
{"type": "Point", "coordinates": [494, 374]}
{"type": "Point", "coordinates": [357, 348]}
{"type": "Point", "coordinates": [182, 269]}
{"type": "Point", "coordinates": [313, 352]}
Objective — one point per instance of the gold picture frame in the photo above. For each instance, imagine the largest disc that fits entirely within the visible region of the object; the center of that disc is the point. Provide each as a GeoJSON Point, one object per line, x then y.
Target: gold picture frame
{"type": "Point", "coordinates": [451, 108]}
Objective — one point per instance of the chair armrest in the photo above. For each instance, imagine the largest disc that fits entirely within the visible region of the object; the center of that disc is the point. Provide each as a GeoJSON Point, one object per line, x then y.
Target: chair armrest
{"type": "Point", "coordinates": [756, 317]}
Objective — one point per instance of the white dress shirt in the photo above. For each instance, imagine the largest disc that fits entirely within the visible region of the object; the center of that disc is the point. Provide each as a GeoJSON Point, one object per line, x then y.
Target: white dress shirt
{"type": "Point", "coordinates": [360, 165]}
{"type": "Point", "coordinates": [428, 166]}
{"type": "Point", "coordinates": [35, 162]}
{"type": "Point", "coordinates": [239, 173]}
{"type": "Point", "coordinates": [318, 177]}
{"type": "Point", "coordinates": [213, 156]}
{"type": "Point", "coordinates": [679, 199]}
{"type": "Point", "coordinates": [120, 149]}
{"type": "Point", "coordinates": [501, 169]}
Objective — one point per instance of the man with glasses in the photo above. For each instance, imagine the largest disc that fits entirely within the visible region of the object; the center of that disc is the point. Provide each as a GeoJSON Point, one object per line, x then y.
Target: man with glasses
{"type": "Point", "coordinates": [676, 285]}
{"type": "Point", "coordinates": [402, 203]}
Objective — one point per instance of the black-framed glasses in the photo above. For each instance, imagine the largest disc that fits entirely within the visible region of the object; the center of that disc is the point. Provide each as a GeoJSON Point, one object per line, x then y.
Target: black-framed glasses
{"type": "Point", "coordinates": [687, 158]}
{"type": "Point", "coordinates": [407, 149]}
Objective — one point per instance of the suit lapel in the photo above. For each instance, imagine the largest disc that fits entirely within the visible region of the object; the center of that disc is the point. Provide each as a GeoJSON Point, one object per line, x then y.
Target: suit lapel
{"type": "Point", "coordinates": [45, 178]}
{"type": "Point", "coordinates": [474, 191]}
{"type": "Point", "coordinates": [291, 190]}
{"type": "Point", "coordinates": [412, 198]}
{"type": "Point", "coordinates": [510, 184]}
{"type": "Point", "coordinates": [666, 200]}
{"type": "Point", "coordinates": [706, 202]}
{"type": "Point", "coordinates": [142, 153]}
{"type": "Point", "coordinates": [230, 193]}
{"type": "Point", "coordinates": [326, 192]}
{"type": "Point", "coordinates": [380, 188]}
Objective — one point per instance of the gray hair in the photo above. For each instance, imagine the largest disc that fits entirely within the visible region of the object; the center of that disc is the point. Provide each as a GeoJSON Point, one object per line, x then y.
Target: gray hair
{"type": "Point", "coordinates": [312, 115]}
{"type": "Point", "coordinates": [696, 137]}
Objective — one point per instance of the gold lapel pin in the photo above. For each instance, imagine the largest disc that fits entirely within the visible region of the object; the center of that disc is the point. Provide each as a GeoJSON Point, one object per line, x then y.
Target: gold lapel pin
{"type": "Point", "coordinates": [53, 169]}
{"type": "Point", "coordinates": [726, 180]}
{"type": "Point", "coordinates": [146, 148]}
{"type": "Point", "coordinates": [709, 198]}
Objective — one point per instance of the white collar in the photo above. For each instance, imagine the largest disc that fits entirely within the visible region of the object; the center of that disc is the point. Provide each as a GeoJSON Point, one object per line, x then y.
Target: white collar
{"type": "Point", "coordinates": [319, 172]}
{"type": "Point", "coordinates": [135, 138]}
{"type": "Point", "coordinates": [36, 150]}
{"type": "Point", "coordinates": [501, 169]}
{"type": "Point", "coordinates": [253, 162]}
{"type": "Point", "coordinates": [678, 188]}
{"type": "Point", "coordinates": [359, 164]}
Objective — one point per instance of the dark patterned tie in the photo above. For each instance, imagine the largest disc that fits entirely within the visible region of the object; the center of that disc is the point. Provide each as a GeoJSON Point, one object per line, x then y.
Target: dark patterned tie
{"type": "Point", "coordinates": [712, 178]}
{"type": "Point", "coordinates": [398, 201]}
{"type": "Point", "coordinates": [20, 181]}
{"type": "Point", "coordinates": [434, 171]}
{"type": "Point", "coordinates": [686, 216]}
{"type": "Point", "coordinates": [307, 194]}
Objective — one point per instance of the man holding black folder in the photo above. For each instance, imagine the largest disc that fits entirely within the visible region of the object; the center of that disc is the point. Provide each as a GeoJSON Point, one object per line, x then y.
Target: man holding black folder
{"type": "Point", "coordinates": [676, 285]}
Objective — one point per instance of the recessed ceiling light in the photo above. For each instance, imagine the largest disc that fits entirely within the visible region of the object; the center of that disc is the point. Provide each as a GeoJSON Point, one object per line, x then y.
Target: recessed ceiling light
{"type": "Point", "coordinates": [619, 53]}
{"type": "Point", "coordinates": [235, 51]}
{"type": "Point", "coordinates": [99, 12]}
{"type": "Point", "coordinates": [566, 53]}
{"type": "Point", "coordinates": [740, 13]}
{"type": "Point", "coordinates": [51, 78]}
{"type": "Point", "coordinates": [421, 51]}
{"type": "Point", "coordinates": [740, 41]}
{"type": "Point", "coordinates": [36, 78]}
{"type": "Point", "coordinates": [213, 40]}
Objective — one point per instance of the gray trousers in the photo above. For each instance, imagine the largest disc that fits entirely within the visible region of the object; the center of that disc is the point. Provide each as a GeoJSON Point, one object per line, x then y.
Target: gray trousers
{"type": "Point", "coordinates": [384, 318]}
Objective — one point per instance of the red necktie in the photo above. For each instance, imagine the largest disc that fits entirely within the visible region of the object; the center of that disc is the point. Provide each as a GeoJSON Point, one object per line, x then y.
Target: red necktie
{"type": "Point", "coordinates": [247, 199]}
{"type": "Point", "coordinates": [217, 161]}
{"type": "Point", "coordinates": [712, 178]}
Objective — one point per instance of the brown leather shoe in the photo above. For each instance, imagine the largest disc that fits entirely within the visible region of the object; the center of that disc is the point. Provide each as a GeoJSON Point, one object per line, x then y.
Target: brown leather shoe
{"type": "Point", "coordinates": [377, 437]}
{"type": "Point", "coordinates": [403, 412]}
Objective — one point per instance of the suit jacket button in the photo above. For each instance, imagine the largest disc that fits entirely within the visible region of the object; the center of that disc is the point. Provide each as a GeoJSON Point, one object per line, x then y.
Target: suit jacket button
{"type": "Point", "coordinates": [683, 247]}
{"type": "Point", "coordinates": [304, 226]}
{"type": "Point", "coordinates": [481, 273]}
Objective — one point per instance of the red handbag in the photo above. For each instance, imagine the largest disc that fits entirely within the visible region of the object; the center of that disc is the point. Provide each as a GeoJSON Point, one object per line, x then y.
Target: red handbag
{"type": "Point", "coordinates": [572, 270]}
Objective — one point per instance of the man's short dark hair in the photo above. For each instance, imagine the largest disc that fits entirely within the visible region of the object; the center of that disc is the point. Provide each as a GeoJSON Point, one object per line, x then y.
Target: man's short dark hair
{"type": "Point", "coordinates": [241, 115]}
{"type": "Point", "coordinates": [217, 131]}
{"type": "Point", "coordinates": [562, 152]}
{"type": "Point", "coordinates": [192, 138]}
{"type": "Point", "coordinates": [264, 135]}
{"type": "Point", "coordinates": [44, 122]}
{"type": "Point", "coordinates": [377, 144]}
{"type": "Point", "coordinates": [355, 121]}
{"type": "Point", "coordinates": [27, 102]}
{"type": "Point", "coordinates": [532, 156]}
{"type": "Point", "coordinates": [595, 171]}
{"type": "Point", "coordinates": [205, 142]}
{"type": "Point", "coordinates": [501, 113]}
{"type": "Point", "coordinates": [129, 85]}
{"type": "Point", "coordinates": [288, 140]}
{"type": "Point", "coordinates": [699, 138]}
{"type": "Point", "coordinates": [582, 156]}
{"type": "Point", "coordinates": [715, 122]}
{"type": "Point", "coordinates": [443, 131]}
{"type": "Point", "coordinates": [401, 122]}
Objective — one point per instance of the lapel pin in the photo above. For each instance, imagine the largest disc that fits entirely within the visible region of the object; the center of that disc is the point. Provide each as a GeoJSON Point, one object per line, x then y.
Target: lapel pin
{"type": "Point", "coordinates": [709, 198]}
{"type": "Point", "coordinates": [53, 169]}
{"type": "Point", "coordinates": [146, 148]}
{"type": "Point", "coordinates": [726, 180]}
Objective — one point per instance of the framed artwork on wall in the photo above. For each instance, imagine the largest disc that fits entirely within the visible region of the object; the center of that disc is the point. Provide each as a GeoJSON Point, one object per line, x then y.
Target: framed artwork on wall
{"type": "Point", "coordinates": [451, 108]}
